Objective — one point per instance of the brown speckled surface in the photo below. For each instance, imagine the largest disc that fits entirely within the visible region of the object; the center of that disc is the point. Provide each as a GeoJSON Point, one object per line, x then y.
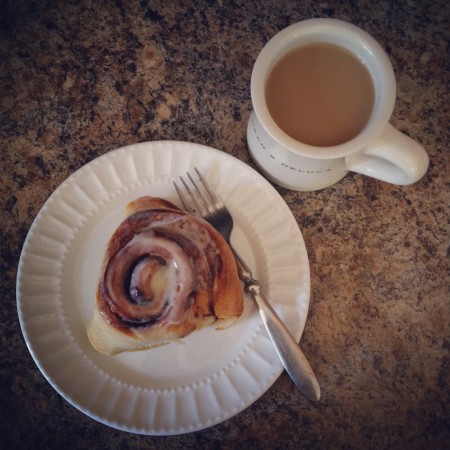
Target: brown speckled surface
{"type": "Point", "coordinates": [81, 78]}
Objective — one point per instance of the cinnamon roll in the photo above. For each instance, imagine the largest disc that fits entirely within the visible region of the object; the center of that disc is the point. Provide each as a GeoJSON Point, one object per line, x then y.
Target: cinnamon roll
{"type": "Point", "coordinates": [165, 274]}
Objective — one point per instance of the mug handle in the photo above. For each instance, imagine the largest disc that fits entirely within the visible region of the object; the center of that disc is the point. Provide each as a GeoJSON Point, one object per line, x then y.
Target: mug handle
{"type": "Point", "coordinates": [392, 157]}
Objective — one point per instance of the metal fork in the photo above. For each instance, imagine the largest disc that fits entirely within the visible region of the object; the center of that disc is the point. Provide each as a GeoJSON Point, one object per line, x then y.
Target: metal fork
{"type": "Point", "coordinates": [205, 202]}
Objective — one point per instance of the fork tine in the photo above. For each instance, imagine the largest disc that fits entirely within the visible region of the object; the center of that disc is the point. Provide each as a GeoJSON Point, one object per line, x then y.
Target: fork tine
{"type": "Point", "coordinates": [206, 206]}
{"type": "Point", "coordinates": [195, 196]}
{"type": "Point", "coordinates": [199, 198]}
{"type": "Point", "coordinates": [185, 199]}
{"type": "Point", "coordinates": [214, 196]}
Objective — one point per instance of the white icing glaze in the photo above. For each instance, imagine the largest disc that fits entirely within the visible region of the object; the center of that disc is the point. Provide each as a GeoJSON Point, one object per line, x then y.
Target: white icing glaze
{"type": "Point", "coordinates": [170, 284]}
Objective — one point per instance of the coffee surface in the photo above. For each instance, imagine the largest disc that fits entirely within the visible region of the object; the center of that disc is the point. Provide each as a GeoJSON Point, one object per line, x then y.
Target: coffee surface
{"type": "Point", "coordinates": [320, 94]}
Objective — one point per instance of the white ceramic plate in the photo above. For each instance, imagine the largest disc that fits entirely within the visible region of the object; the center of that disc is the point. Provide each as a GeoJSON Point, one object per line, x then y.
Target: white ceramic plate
{"type": "Point", "coordinates": [178, 388]}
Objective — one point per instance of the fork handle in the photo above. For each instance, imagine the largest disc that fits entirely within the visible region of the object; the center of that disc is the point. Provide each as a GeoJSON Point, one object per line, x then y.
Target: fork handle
{"type": "Point", "coordinates": [292, 357]}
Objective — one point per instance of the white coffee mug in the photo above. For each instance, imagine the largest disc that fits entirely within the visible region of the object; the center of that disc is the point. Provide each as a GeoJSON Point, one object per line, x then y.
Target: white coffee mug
{"type": "Point", "coordinates": [379, 150]}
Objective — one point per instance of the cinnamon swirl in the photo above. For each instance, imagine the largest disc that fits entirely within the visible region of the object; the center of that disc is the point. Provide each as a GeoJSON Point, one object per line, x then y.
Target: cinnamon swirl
{"type": "Point", "coordinates": [165, 274]}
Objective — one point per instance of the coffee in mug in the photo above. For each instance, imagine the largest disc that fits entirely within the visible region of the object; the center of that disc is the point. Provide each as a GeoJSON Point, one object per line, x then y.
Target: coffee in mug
{"type": "Point", "coordinates": [320, 94]}
{"type": "Point", "coordinates": [323, 91]}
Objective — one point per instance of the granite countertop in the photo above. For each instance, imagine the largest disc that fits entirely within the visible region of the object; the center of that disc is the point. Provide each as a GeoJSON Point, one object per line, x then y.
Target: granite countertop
{"type": "Point", "coordinates": [79, 79]}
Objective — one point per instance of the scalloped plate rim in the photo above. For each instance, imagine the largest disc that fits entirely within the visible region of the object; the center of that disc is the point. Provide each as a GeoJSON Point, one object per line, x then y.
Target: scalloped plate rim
{"type": "Point", "coordinates": [113, 157]}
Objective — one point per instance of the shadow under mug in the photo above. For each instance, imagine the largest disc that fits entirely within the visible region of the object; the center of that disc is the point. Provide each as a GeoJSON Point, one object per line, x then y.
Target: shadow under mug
{"type": "Point", "coordinates": [378, 151]}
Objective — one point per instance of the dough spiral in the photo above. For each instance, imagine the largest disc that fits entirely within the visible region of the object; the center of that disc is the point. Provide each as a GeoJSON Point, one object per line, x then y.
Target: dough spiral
{"type": "Point", "coordinates": [165, 274]}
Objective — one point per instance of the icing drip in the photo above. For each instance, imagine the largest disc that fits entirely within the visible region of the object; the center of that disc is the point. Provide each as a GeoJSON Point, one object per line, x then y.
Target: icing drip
{"type": "Point", "coordinates": [149, 278]}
